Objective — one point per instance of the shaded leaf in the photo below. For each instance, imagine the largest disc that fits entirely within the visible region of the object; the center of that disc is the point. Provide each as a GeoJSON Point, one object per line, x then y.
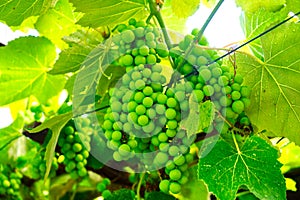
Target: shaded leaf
{"type": "Point", "coordinates": [184, 8]}
{"type": "Point", "coordinates": [57, 22]}
{"type": "Point", "coordinates": [55, 124]}
{"type": "Point", "coordinates": [103, 13]}
{"type": "Point", "coordinates": [275, 98]}
{"type": "Point", "coordinates": [226, 168]}
{"type": "Point", "coordinates": [254, 5]}
{"type": "Point", "coordinates": [11, 133]}
{"type": "Point", "coordinates": [160, 196]}
{"type": "Point", "coordinates": [24, 63]}
{"type": "Point", "coordinates": [13, 12]}
{"type": "Point", "coordinates": [81, 43]}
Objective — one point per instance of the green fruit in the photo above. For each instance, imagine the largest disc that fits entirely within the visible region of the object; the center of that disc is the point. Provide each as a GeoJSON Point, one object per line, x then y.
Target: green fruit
{"type": "Point", "coordinates": [161, 158]}
{"type": "Point", "coordinates": [238, 107]}
{"type": "Point", "coordinates": [175, 187]}
{"type": "Point", "coordinates": [175, 174]}
{"type": "Point", "coordinates": [77, 147]}
{"type": "Point", "coordinates": [208, 90]}
{"type": "Point", "coordinates": [151, 59]}
{"type": "Point", "coordinates": [138, 60]}
{"type": "Point", "coordinates": [127, 60]}
{"type": "Point", "coordinates": [144, 50]}
{"type": "Point", "coordinates": [170, 113]}
{"type": "Point", "coordinates": [101, 187]}
{"type": "Point", "coordinates": [179, 160]}
{"type": "Point", "coordinates": [171, 102]}
{"type": "Point", "coordinates": [164, 186]}
{"type": "Point", "coordinates": [140, 110]}
{"type": "Point", "coordinates": [143, 120]}
{"type": "Point", "coordinates": [128, 36]}
{"type": "Point", "coordinates": [106, 194]}
{"type": "Point", "coordinates": [116, 135]}
{"type": "Point", "coordinates": [147, 102]}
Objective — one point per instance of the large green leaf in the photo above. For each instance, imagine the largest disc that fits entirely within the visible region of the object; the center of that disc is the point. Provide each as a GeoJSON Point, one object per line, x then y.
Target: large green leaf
{"type": "Point", "coordinates": [254, 164]}
{"type": "Point", "coordinates": [24, 63]}
{"type": "Point", "coordinates": [184, 8]}
{"type": "Point", "coordinates": [57, 22]}
{"type": "Point", "coordinates": [81, 43]}
{"type": "Point", "coordinates": [275, 98]}
{"type": "Point", "coordinates": [92, 75]}
{"type": "Point", "coordinates": [104, 13]}
{"type": "Point", "coordinates": [255, 24]}
{"type": "Point", "coordinates": [12, 132]}
{"type": "Point", "coordinates": [55, 124]}
{"type": "Point", "coordinates": [13, 12]}
{"type": "Point", "coordinates": [254, 5]}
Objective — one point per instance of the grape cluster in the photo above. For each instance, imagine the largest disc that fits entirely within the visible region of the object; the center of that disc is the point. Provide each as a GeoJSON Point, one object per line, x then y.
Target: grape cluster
{"type": "Point", "coordinates": [139, 43]}
{"type": "Point", "coordinates": [102, 187]}
{"type": "Point", "coordinates": [39, 165]}
{"type": "Point", "coordinates": [74, 143]}
{"type": "Point", "coordinates": [9, 183]}
{"type": "Point", "coordinates": [213, 81]}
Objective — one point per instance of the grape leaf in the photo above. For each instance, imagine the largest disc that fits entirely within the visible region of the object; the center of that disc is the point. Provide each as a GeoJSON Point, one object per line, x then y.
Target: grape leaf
{"type": "Point", "coordinates": [275, 98]}
{"type": "Point", "coordinates": [24, 63]}
{"type": "Point", "coordinates": [11, 133]}
{"type": "Point", "coordinates": [57, 22]}
{"type": "Point", "coordinates": [195, 189]}
{"type": "Point", "coordinates": [104, 13]}
{"type": "Point", "coordinates": [172, 21]}
{"type": "Point", "coordinates": [81, 43]}
{"type": "Point", "coordinates": [13, 12]}
{"type": "Point", "coordinates": [255, 24]}
{"type": "Point", "coordinates": [200, 116]}
{"type": "Point", "coordinates": [184, 8]}
{"type": "Point", "coordinates": [254, 165]}
{"type": "Point", "coordinates": [87, 79]}
{"type": "Point", "coordinates": [254, 5]}
{"type": "Point", "coordinates": [160, 196]}
{"type": "Point", "coordinates": [55, 124]}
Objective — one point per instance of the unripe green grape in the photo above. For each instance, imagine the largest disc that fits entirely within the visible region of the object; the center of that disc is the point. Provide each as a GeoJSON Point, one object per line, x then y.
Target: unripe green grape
{"type": "Point", "coordinates": [151, 59]}
{"type": "Point", "coordinates": [183, 180]}
{"type": "Point", "coordinates": [116, 106]}
{"type": "Point", "coordinates": [175, 187]}
{"type": "Point", "coordinates": [238, 79]}
{"type": "Point", "coordinates": [127, 60]}
{"type": "Point", "coordinates": [223, 81]}
{"type": "Point", "coordinates": [180, 96]}
{"type": "Point", "coordinates": [149, 36]}
{"type": "Point", "coordinates": [172, 124]}
{"type": "Point", "coordinates": [70, 155]}
{"type": "Point", "coordinates": [170, 113]}
{"type": "Point", "coordinates": [162, 50]}
{"type": "Point", "coordinates": [199, 95]}
{"type": "Point", "coordinates": [192, 59]}
{"type": "Point", "coordinates": [236, 87]}
{"type": "Point", "coordinates": [201, 60]}
{"type": "Point", "coordinates": [116, 135]}
{"type": "Point", "coordinates": [124, 150]}
{"type": "Point", "coordinates": [128, 36]}
{"type": "Point", "coordinates": [164, 186]}
{"type": "Point", "coordinates": [245, 121]}
{"type": "Point", "coordinates": [132, 143]}
{"type": "Point", "coordinates": [225, 101]}
{"type": "Point", "coordinates": [162, 120]}
{"type": "Point", "coordinates": [149, 127]}
{"type": "Point", "coordinates": [118, 126]}
{"type": "Point", "coordinates": [70, 138]}
{"type": "Point", "coordinates": [106, 194]}
{"type": "Point", "coordinates": [174, 150]}
{"type": "Point", "coordinates": [147, 102]}
{"type": "Point", "coordinates": [138, 60]}
{"type": "Point", "coordinates": [155, 77]}
{"type": "Point", "coordinates": [151, 113]}
{"type": "Point", "coordinates": [140, 84]}
{"type": "Point", "coordinates": [229, 113]}
{"type": "Point", "coordinates": [68, 130]}
{"type": "Point", "coordinates": [175, 174]}
{"type": "Point", "coordinates": [245, 91]}
{"type": "Point", "coordinates": [144, 50]}
{"type": "Point", "coordinates": [171, 102]}
{"type": "Point", "coordinates": [131, 106]}
{"type": "Point", "coordinates": [179, 160]}
{"type": "Point", "coordinates": [160, 109]}
{"type": "Point", "coordinates": [139, 43]}
{"type": "Point", "coordinates": [101, 187]}
{"type": "Point", "coordinates": [146, 72]}
{"type": "Point", "coordinates": [6, 183]}
{"type": "Point", "coordinates": [161, 158]}
{"type": "Point", "coordinates": [162, 98]}
{"type": "Point", "coordinates": [139, 32]}
{"type": "Point", "coordinates": [216, 72]}
{"type": "Point", "coordinates": [238, 107]}
{"type": "Point", "coordinates": [208, 90]}
{"type": "Point", "coordinates": [162, 137]}
{"type": "Point", "coordinates": [187, 69]}
{"type": "Point", "coordinates": [246, 102]}
{"type": "Point", "coordinates": [143, 120]}
{"type": "Point", "coordinates": [77, 147]}
{"type": "Point", "coordinates": [183, 167]}
{"type": "Point", "coordinates": [171, 133]}
{"type": "Point", "coordinates": [140, 110]}
{"type": "Point", "coordinates": [138, 97]}
{"type": "Point", "coordinates": [235, 95]}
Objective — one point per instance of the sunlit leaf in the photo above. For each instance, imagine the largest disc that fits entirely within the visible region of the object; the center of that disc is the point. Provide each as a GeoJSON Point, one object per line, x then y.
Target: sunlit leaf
{"type": "Point", "coordinates": [254, 165]}
{"type": "Point", "coordinates": [24, 64]}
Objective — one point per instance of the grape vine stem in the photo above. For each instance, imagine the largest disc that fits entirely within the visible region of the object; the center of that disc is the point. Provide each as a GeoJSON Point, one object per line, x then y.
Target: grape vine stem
{"type": "Point", "coordinates": [195, 41]}
{"type": "Point", "coordinates": [139, 186]}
